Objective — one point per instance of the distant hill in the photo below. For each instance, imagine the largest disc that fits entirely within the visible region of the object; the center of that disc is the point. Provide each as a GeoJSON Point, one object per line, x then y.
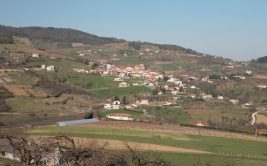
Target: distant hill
{"type": "Point", "coordinates": [262, 59]}
{"type": "Point", "coordinates": [61, 36]}
{"type": "Point", "coordinates": [47, 37]}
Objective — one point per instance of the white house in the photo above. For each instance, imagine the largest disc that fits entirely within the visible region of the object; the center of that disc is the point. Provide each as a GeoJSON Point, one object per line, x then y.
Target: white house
{"type": "Point", "coordinates": [262, 86]}
{"type": "Point", "coordinates": [123, 85]}
{"type": "Point", "coordinates": [159, 93]}
{"type": "Point", "coordinates": [166, 87]}
{"type": "Point", "coordinates": [220, 97]}
{"type": "Point", "coordinates": [234, 101]}
{"type": "Point", "coordinates": [50, 68]}
{"type": "Point", "coordinates": [114, 106]}
{"type": "Point", "coordinates": [206, 97]}
{"type": "Point", "coordinates": [118, 79]}
{"type": "Point", "coordinates": [117, 116]}
{"type": "Point", "coordinates": [248, 72]}
{"type": "Point", "coordinates": [43, 67]}
{"type": "Point", "coordinates": [35, 55]}
{"type": "Point", "coordinates": [167, 103]}
{"type": "Point", "coordinates": [143, 102]}
{"type": "Point", "coordinates": [135, 84]}
{"type": "Point", "coordinates": [131, 106]}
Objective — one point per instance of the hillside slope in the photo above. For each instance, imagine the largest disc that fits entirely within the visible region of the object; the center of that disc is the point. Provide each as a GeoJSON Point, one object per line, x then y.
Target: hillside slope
{"type": "Point", "coordinates": [63, 36]}
{"type": "Point", "coordinates": [47, 37]}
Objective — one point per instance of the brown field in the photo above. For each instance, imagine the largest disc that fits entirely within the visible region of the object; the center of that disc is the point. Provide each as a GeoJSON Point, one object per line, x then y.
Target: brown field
{"type": "Point", "coordinates": [261, 76]}
{"type": "Point", "coordinates": [261, 119]}
{"type": "Point", "coordinates": [16, 90]}
{"type": "Point", "coordinates": [22, 90]}
{"type": "Point", "coordinates": [36, 93]}
{"type": "Point", "coordinates": [119, 145]}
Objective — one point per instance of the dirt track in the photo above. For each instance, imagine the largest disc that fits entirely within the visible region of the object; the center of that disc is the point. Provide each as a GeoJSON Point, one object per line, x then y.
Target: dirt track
{"type": "Point", "coordinates": [178, 129]}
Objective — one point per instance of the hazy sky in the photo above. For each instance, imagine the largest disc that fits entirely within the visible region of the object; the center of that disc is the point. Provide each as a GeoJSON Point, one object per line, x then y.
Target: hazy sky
{"type": "Point", "coordinates": [235, 29]}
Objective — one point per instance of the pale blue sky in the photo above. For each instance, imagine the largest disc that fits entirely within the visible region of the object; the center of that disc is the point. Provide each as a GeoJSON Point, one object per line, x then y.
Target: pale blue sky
{"type": "Point", "coordinates": [235, 29]}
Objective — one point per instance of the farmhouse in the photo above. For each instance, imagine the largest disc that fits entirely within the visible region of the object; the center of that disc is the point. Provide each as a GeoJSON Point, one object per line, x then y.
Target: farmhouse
{"type": "Point", "coordinates": [117, 116]}
{"type": "Point", "coordinates": [50, 68]}
{"type": "Point", "coordinates": [248, 72]}
{"type": "Point", "coordinates": [142, 102]}
{"type": "Point", "coordinates": [35, 55]}
{"type": "Point", "coordinates": [234, 101]}
{"type": "Point", "coordinates": [118, 79]}
{"type": "Point", "coordinates": [123, 85]}
{"type": "Point", "coordinates": [220, 97]}
{"type": "Point", "coordinates": [43, 67]}
{"type": "Point", "coordinates": [206, 96]}
{"type": "Point", "coordinates": [135, 84]}
{"type": "Point", "coordinates": [262, 86]}
{"type": "Point", "coordinates": [240, 77]}
{"type": "Point", "coordinates": [131, 106]}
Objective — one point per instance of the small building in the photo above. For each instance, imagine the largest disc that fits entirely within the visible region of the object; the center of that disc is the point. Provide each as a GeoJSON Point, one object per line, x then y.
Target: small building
{"type": "Point", "coordinates": [167, 103]}
{"type": "Point", "coordinates": [43, 67]}
{"type": "Point", "coordinates": [247, 105]}
{"type": "Point", "coordinates": [220, 98]}
{"type": "Point", "coordinates": [135, 84]}
{"type": "Point", "coordinates": [131, 107]}
{"type": "Point", "coordinates": [50, 68]}
{"type": "Point", "coordinates": [142, 102]}
{"type": "Point", "coordinates": [262, 86]}
{"type": "Point", "coordinates": [123, 85]}
{"type": "Point", "coordinates": [248, 72]}
{"type": "Point", "coordinates": [35, 55]}
{"type": "Point", "coordinates": [234, 101]}
{"type": "Point", "coordinates": [207, 97]}
{"type": "Point", "coordinates": [77, 122]}
{"type": "Point", "coordinates": [118, 116]}
{"type": "Point", "coordinates": [118, 79]}
{"type": "Point", "coordinates": [111, 106]}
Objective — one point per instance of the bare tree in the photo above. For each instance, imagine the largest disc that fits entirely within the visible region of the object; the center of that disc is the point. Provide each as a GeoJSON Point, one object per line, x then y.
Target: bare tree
{"type": "Point", "coordinates": [70, 152]}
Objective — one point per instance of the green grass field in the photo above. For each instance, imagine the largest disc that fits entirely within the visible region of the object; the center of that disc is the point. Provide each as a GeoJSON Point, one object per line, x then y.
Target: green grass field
{"type": "Point", "coordinates": [106, 93]}
{"type": "Point", "coordinates": [222, 149]}
{"type": "Point", "coordinates": [170, 114]}
{"type": "Point", "coordinates": [216, 145]}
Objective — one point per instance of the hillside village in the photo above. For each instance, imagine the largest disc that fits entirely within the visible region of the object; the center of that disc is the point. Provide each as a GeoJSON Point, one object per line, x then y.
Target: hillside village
{"type": "Point", "coordinates": [174, 87]}
{"type": "Point", "coordinates": [114, 84]}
